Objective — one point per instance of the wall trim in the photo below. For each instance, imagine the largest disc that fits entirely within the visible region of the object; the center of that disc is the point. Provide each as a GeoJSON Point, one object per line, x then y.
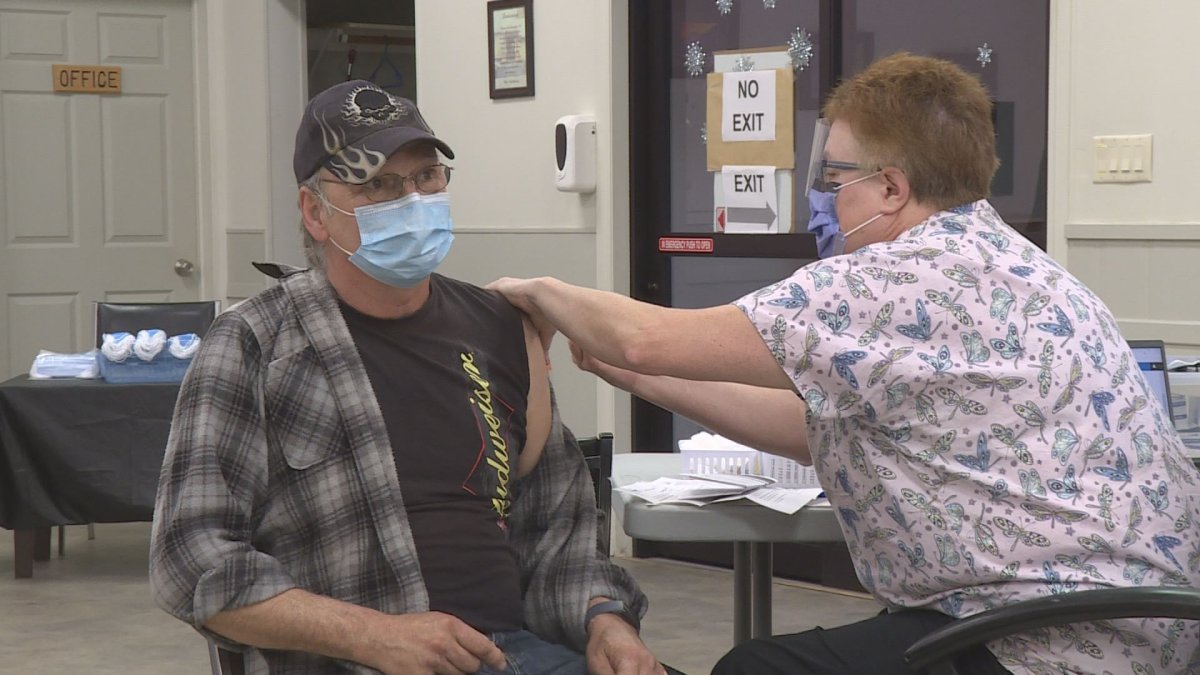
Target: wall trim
{"type": "Point", "coordinates": [1136, 231]}
{"type": "Point", "coordinates": [212, 280]}
{"type": "Point", "coordinates": [1172, 332]}
{"type": "Point", "coordinates": [477, 229]}
{"type": "Point", "coordinates": [1058, 133]}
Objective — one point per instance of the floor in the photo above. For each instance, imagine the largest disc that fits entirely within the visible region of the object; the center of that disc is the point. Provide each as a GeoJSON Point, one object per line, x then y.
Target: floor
{"type": "Point", "coordinates": [91, 611]}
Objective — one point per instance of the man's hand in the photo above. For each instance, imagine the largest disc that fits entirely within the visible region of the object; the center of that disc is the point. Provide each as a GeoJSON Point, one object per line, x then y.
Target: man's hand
{"type": "Point", "coordinates": [430, 642]}
{"type": "Point", "coordinates": [522, 293]}
{"type": "Point", "coordinates": [614, 648]}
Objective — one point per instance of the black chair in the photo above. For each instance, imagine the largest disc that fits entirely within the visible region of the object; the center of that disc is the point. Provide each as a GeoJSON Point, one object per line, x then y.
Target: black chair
{"type": "Point", "coordinates": [598, 451]}
{"type": "Point", "coordinates": [225, 662]}
{"type": "Point", "coordinates": [934, 653]}
{"type": "Point", "coordinates": [173, 318]}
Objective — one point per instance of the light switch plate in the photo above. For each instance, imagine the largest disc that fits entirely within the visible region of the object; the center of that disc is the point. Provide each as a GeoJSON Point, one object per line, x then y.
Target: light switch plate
{"type": "Point", "coordinates": [1123, 159]}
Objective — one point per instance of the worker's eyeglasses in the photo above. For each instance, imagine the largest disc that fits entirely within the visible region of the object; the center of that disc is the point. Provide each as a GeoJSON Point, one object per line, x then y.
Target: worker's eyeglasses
{"type": "Point", "coordinates": [830, 173]}
{"type": "Point", "coordinates": [387, 187]}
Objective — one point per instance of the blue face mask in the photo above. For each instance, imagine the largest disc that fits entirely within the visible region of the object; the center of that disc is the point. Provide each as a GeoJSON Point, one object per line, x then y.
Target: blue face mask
{"type": "Point", "coordinates": [402, 241]}
{"type": "Point", "coordinates": [823, 219]}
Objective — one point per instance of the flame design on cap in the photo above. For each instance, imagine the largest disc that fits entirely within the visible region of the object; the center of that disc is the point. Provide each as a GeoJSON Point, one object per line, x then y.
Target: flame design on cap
{"type": "Point", "coordinates": [364, 106]}
{"type": "Point", "coordinates": [350, 165]}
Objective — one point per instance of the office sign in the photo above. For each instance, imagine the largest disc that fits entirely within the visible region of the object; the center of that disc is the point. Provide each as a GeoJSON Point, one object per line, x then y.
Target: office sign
{"type": "Point", "coordinates": [85, 79]}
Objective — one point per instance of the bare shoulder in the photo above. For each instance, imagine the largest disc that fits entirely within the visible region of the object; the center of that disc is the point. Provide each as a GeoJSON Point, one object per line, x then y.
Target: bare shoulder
{"type": "Point", "coordinates": [537, 414]}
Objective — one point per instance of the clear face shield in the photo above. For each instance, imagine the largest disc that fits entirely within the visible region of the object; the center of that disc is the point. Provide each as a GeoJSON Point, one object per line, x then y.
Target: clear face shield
{"type": "Point", "coordinates": [816, 158]}
{"type": "Point", "coordinates": [822, 172]}
{"type": "Point", "coordinates": [821, 187]}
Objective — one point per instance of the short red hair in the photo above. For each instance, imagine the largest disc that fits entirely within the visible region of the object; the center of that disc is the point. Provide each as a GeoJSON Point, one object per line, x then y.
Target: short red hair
{"type": "Point", "coordinates": [926, 117]}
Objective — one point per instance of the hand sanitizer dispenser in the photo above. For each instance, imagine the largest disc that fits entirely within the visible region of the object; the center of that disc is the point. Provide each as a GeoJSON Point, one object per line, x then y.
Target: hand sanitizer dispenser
{"type": "Point", "coordinates": [575, 153]}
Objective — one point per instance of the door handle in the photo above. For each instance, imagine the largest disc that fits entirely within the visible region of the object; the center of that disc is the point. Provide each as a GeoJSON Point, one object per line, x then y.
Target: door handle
{"type": "Point", "coordinates": [184, 267]}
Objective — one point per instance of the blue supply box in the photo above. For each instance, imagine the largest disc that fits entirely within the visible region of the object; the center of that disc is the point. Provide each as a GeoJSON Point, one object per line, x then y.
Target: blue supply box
{"type": "Point", "coordinates": [162, 368]}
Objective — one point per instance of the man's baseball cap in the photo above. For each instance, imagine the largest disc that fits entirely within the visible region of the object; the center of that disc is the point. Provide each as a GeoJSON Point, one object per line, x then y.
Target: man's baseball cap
{"type": "Point", "coordinates": [353, 127]}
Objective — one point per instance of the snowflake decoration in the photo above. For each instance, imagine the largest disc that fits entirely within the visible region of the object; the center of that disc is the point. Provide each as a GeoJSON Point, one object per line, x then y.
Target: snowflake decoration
{"type": "Point", "coordinates": [693, 59]}
{"type": "Point", "coordinates": [724, 6]}
{"type": "Point", "coordinates": [743, 64]}
{"type": "Point", "coordinates": [800, 48]}
{"type": "Point", "coordinates": [704, 133]}
{"type": "Point", "coordinates": [985, 55]}
{"type": "Point", "coordinates": [768, 4]}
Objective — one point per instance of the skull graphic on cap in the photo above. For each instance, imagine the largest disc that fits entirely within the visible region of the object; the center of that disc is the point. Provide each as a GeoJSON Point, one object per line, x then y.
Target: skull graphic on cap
{"type": "Point", "coordinates": [368, 105]}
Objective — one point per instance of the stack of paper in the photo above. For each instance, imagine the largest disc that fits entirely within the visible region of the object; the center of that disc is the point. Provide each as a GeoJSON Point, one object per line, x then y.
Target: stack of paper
{"type": "Point", "coordinates": [699, 490]}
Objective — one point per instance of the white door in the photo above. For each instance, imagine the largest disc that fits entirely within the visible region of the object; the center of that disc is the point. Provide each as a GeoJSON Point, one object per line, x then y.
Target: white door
{"type": "Point", "coordinates": [97, 192]}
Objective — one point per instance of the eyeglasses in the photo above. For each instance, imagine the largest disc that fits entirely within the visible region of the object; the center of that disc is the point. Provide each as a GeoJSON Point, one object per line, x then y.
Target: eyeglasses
{"type": "Point", "coordinates": [830, 171]}
{"type": "Point", "coordinates": [387, 187]}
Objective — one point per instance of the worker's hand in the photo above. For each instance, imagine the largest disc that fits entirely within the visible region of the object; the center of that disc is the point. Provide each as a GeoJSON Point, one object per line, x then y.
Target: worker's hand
{"type": "Point", "coordinates": [522, 294]}
{"type": "Point", "coordinates": [614, 648]}
{"type": "Point", "coordinates": [429, 642]}
{"type": "Point", "coordinates": [617, 377]}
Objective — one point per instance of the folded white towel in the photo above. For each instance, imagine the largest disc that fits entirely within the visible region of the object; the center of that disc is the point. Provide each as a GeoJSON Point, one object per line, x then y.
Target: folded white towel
{"type": "Point", "coordinates": [183, 346]}
{"type": "Point", "coordinates": [116, 347]}
{"type": "Point", "coordinates": [149, 343]}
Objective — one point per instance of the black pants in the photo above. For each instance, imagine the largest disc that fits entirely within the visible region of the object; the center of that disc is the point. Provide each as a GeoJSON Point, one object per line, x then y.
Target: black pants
{"type": "Point", "coordinates": [872, 647]}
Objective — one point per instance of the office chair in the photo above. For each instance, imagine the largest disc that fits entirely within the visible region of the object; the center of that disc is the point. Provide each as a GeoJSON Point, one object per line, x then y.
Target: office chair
{"type": "Point", "coordinates": [223, 661]}
{"type": "Point", "coordinates": [598, 451]}
{"type": "Point", "coordinates": [933, 653]}
{"type": "Point", "coordinates": [173, 318]}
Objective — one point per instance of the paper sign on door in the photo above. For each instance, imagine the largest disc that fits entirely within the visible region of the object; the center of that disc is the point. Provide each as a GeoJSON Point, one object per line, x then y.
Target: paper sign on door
{"type": "Point", "coordinates": [748, 106]}
{"type": "Point", "coordinates": [751, 204]}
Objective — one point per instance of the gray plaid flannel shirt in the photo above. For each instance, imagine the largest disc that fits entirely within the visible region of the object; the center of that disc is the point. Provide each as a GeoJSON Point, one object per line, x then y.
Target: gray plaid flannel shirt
{"type": "Point", "coordinates": [279, 474]}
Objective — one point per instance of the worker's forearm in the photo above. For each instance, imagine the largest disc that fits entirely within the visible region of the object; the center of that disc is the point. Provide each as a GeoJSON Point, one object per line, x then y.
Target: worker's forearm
{"type": "Point", "coordinates": [604, 324]}
{"type": "Point", "coordinates": [771, 420]}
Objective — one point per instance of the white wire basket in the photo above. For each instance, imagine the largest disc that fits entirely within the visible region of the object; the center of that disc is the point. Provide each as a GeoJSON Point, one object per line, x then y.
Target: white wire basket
{"type": "Point", "coordinates": [786, 472]}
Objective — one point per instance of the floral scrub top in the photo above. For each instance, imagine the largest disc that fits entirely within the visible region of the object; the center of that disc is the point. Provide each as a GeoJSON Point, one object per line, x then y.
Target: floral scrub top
{"type": "Point", "coordinates": [985, 437]}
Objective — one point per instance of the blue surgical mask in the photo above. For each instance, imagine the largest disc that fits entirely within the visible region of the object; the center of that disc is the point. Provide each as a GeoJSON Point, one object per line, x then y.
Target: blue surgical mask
{"type": "Point", "coordinates": [823, 219]}
{"type": "Point", "coordinates": [402, 241]}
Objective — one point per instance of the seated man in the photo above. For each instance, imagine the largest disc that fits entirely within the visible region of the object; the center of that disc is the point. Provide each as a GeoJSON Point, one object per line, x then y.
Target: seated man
{"type": "Point", "coordinates": [366, 469]}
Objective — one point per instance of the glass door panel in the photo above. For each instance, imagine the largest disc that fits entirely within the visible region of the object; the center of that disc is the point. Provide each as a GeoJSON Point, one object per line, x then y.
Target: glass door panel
{"type": "Point", "coordinates": [750, 25]}
{"type": "Point", "coordinates": [1014, 67]}
{"type": "Point", "coordinates": [671, 189]}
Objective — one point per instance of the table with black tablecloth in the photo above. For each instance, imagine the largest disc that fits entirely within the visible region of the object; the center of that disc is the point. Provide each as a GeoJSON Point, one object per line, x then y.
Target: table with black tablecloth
{"type": "Point", "coordinates": [78, 451]}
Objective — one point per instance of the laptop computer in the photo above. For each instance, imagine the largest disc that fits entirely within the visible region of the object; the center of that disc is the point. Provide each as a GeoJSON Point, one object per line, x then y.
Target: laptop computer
{"type": "Point", "coordinates": [1151, 358]}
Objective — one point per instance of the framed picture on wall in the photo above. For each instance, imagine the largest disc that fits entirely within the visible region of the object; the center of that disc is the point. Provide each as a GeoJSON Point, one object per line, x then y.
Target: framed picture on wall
{"type": "Point", "coordinates": [510, 48]}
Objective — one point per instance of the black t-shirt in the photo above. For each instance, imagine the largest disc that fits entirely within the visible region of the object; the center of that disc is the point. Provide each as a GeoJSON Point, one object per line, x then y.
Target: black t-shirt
{"type": "Point", "coordinates": [452, 381]}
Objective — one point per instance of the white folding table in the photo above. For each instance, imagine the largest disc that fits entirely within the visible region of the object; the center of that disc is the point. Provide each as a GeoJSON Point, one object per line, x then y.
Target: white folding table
{"type": "Point", "coordinates": [751, 528]}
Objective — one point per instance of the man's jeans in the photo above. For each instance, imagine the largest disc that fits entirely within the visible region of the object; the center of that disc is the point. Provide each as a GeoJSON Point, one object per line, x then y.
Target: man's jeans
{"type": "Point", "coordinates": [530, 655]}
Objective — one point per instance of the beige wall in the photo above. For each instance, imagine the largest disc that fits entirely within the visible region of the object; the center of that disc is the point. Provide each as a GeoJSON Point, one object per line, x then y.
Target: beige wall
{"type": "Point", "coordinates": [250, 91]}
{"type": "Point", "coordinates": [1118, 67]}
{"type": "Point", "coordinates": [1132, 243]}
{"type": "Point", "coordinates": [508, 217]}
